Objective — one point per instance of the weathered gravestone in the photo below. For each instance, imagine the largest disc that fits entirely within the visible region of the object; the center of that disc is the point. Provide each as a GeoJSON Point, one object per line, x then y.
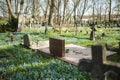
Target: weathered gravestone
{"type": "Point", "coordinates": [26, 40]}
{"type": "Point", "coordinates": [57, 47]}
{"type": "Point", "coordinates": [92, 34]}
{"type": "Point", "coordinates": [98, 55]}
{"type": "Point", "coordinates": [99, 67]}
{"type": "Point", "coordinates": [103, 34]}
{"type": "Point", "coordinates": [12, 37]}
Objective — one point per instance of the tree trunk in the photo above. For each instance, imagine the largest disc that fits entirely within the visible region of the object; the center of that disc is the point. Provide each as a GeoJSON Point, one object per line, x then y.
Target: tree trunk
{"type": "Point", "coordinates": [10, 9]}
{"type": "Point", "coordinates": [110, 10]}
{"type": "Point", "coordinates": [75, 23]}
{"type": "Point", "coordinates": [21, 18]}
{"type": "Point", "coordinates": [45, 16]}
{"type": "Point", "coordinates": [13, 18]}
{"type": "Point", "coordinates": [50, 19]}
{"type": "Point", "coordinates": [33, 9]}
{"type": "Point", "coordinates": [93, 15]}
{"type": "Point", "coordinates": [64, 10]}
{"type": "Point", "coordinates": [16, 6]}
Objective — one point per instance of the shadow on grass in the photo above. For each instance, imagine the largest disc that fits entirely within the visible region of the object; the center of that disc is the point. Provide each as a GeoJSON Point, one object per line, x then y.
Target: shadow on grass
{"type": "Point", "coordinates": [28, 65]}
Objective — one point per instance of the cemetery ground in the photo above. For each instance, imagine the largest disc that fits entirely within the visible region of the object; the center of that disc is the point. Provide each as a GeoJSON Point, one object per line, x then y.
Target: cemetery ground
{"type": "Point", "coordinates": [17, 62]}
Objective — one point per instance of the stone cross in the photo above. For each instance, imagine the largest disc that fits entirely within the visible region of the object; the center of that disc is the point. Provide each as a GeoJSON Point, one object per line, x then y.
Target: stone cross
{"type": "Point", "coordinates": [92, 34]}
{"type": "Point", "coordinates": [27, 40]}
{"type": "Point", "coordinates": [98, 55]}
{"type": "Point", "coordinates": [99, 66]}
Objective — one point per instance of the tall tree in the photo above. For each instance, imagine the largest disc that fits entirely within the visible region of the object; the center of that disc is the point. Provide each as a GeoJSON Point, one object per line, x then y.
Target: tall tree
{"type": "Point", "coordinates": [51, 12]}
{"type": "Point", "coordinates": [13, 18]}
{"type": "Point", "coordinates": [83, 7]}
{"type": "Point", "coordinates": [93, 10]}
{"type": "Point", "coordinates": [65, 3]}
{"type": "Point", "coordinates": [10, 9]}
{"type": "Point", "coordinates": [45, 16]}
{"type": "Point", "coordinates": [110, 5]}
{"type": "Point", "coordinates": [3, 8]}
{"type": "Point", "coordinates": [21, 18]}
{"type": "Point", "coordinates": [76, 3]}
{"type": "Point", "coordinates": [16, 6]}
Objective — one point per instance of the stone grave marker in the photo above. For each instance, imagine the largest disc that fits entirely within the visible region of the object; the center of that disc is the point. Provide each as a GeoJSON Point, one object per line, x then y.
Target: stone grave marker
{"type": "Point", "coordinates": [26, 40]}
{"type": "Point", "coordinates": [57, 47]}
{"type": "Point", "coordinates": [12, 37]}
{"type": "Point", "coordinates": [99, 67]}
{"type": "Point", "coordinates": [92, 34]}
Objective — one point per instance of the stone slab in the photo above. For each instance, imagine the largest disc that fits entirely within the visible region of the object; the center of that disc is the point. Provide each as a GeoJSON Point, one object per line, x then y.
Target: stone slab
{"type": "Point", "coordinates": [75, 52]}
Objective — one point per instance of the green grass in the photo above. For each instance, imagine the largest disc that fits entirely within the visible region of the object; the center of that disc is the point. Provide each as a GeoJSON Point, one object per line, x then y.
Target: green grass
{"type": "Point", "coordinates": [112, 36]}
{"type": "Point", "coordinates": [28, 65]}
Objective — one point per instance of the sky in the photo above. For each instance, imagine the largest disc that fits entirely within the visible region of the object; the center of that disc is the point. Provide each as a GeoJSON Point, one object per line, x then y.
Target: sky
{"type": "Point", "coordinates": [114, 3]}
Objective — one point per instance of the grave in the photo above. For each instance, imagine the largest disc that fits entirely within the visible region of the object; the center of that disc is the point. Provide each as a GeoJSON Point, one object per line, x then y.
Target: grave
{"type": "Point", "coordinates": [92, 34]}
{"type": "Point", "coordinates": [103, 34]}
{"type": "Point", "coordinates": [94, 58]}
{"type": "Point", "coordinates": [27, 40]}
{"type": "Point", "coordinates": [72, 53]}
{"type": "Point", "coordinates": [57, 47]}
{"type": "Point", "coordinates": [12, 37]}
{"type": "Point", "coordinates": [99, 66]}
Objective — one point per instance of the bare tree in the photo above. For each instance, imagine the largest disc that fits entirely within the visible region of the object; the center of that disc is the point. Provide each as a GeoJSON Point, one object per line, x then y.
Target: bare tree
{"type": "Point", "coordinates": [51, 12]}
{"type": "Point", "coordinates": [14, 17]}
{"type": "Point", "coordinates": [16, 6]}
{"type": "Point", "coordinates": [45, 16]}
{"type": "Point", "coordinates": [21, 18]}
{"type": "Point", "coordinates": [65, 3]}
{"type": "Point", "coordinates": [110, 3]}
{"type": "Point", "coordinates": [76, 3]}
{"type": "Point", "coordinates": [58, 16]}
{"type": "Point", "coordinates": [3, 8]}
{"type": "Point", "coordinates": [83, 7]}
{"type": "Point", "coordinates": [10, 9]}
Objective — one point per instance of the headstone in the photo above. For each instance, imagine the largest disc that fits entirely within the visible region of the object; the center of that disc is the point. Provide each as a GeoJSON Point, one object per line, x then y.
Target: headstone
{"type": "Point", "coordinates": [57, 47]}
{"type": "Point", "coordinates": [103, 34]}
{"type": "Point", "coordinates": [100, 68]}
{"type": "Point", "coordinates": [26, 40]}
{"type": "Point", "coordinates": [98, 56]}
{"type": "Point", "coordinates": [92, 34]}
{"type": "Point", "coordinates": [12, 37]}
